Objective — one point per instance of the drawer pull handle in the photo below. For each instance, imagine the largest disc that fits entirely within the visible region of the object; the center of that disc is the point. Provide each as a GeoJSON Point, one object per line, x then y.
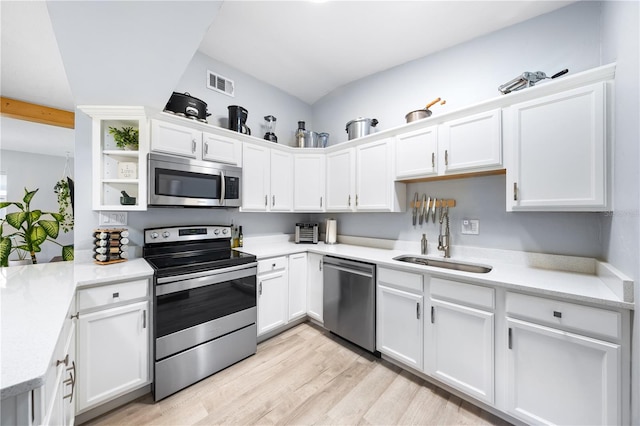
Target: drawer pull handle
{"type": "Point", "coordinates": [557, 314]}
{"type": "Point", "coordinates": [64, 361]}
{"type": "Point", "coordinates": [116, 295]}
{"type": "Point", "coordinates": [76, 316]}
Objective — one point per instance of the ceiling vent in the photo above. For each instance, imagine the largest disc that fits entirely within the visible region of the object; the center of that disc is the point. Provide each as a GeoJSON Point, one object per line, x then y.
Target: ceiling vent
{"type": "Point", "coordinates": [220, 84]}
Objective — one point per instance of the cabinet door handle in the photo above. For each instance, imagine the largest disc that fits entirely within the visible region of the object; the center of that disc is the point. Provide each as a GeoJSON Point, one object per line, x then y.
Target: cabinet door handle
{"type": "Point", "coordinates": [446, 157]}
{"type": "Point", "coordinates": [273, 200]}
{"type": "Point", "coordinates": [260, 289]}
{"type": "Point", "coordinates": [64, 361]}
{"type": "Point", "coordinates": [193, 146]}
{"type": "Point", "coordinates": [510, 338]}
{"type": "Point", "coordinates": [433, 160]}
{"type": "Point", "coordinates": [76, 316]}
{"type": "Point", "coordinates": [356, 200]}
{"type": "Point", "coordinates": [320, 265]}
{"type": "Point", "coordinates": [417, 310]}
{"type": "Point", "coordinates": [320, 201]}
{"type": "Point", "coordinates": [515, 191]}
{"type": "Point", "coordinates": [72, 381]}
{"type": "Point", "coordinates": [266, 200]}
{"type": "Point", "coordinates": [144, 319]}
{"type": "Point", "coordinates": [206, 148]}
{"type": "Point", "coordinates": [433, 314]}
{"type": "Point", "coordinates": [349, 201]}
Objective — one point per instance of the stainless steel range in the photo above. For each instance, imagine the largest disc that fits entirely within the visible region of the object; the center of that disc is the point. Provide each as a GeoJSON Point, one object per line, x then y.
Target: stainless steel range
{"type": "Point", "coordinates": [205, 304]}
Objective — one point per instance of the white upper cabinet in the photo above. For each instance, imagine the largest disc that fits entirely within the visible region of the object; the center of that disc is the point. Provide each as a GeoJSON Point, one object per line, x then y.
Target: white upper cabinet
{"type": "Point", "coordinates": [266, 179]}
{"type": "Point", "coordinates": [170, 138]}
{"type": "Point", "coordinates": [308, 182]}
{"type": "Point", "coordinates": [221, 149]}
{"type": "Point", "coordinates": [281, 184]}
{"type": "Point", "coordinates": [173, 139]}
{"type": "Point", "coordinates": [557, 157]}
{"type": "Point", "coordinates": [471, 143]}
{"type": "Point", "coordinates": [465, 145]}
{"type": "Point", "coordinates": [341, 180]}
{"type": "Point", "coordinates": [375, 187]}
{"type": "Point", "coordinates": [417, 153]}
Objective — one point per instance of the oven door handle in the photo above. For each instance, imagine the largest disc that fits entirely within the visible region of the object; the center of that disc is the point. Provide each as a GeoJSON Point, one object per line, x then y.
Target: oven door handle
{"type": "Point", "coordinates": [209, 278]}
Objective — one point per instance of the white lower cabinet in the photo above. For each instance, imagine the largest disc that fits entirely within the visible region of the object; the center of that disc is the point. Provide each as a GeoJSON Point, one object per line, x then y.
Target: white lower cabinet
{"type": "Point", "coordinates": [399, 324]}
{"type": "Point", "coordinates": [113, 335]}
{"type": "Point", "coordinates": [559, 377]}
{"type": "Point", "coordinates": [315, 286]}
{"type": "Point", "coordinates": [273, 294]}
{"type": "Point", "coordinates": [297, 286]}
{"type": "Point", "coordinates": [459, 337]}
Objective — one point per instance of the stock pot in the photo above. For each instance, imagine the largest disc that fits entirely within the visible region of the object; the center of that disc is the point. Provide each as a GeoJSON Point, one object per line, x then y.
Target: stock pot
{"type": "Point", "coordinates": [360, 127]}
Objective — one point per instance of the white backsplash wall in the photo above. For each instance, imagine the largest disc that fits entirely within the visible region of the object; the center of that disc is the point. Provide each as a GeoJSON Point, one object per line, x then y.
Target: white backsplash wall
{"type": "Point", "coordinates": [483, 198]}
{"type": "Point", "coordinates": [467, 73]}
{"type": "Point", "coordinates": [259, 98]}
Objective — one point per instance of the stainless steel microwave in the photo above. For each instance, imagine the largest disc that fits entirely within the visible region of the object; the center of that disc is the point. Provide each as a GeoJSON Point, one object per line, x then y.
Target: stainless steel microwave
{"type": "Point", "coordinates": [183, 182]}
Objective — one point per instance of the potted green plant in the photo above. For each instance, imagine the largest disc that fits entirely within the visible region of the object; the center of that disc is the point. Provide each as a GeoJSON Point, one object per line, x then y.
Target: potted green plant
{"type": "Point", "coordinates": [31, 228]}
{"type": "Point", "coordinates": [126, 137]}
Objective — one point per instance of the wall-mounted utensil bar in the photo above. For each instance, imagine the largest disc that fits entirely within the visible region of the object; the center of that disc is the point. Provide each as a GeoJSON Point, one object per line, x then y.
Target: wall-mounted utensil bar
{"type": "Point", "coordinates": [425, 208]}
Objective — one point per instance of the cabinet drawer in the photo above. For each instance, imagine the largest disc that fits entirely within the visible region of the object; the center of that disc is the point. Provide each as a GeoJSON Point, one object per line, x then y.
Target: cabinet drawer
{"type": "Point", "coordinates": [111, 293]}
{"type": "Point", "coordinates": [272, 265]}
{"type": "Point", "coordinates": [468, 294]}
{"type": "Point", "coordinates": [565, 315]}
{"type": "Point", "coordinates": [400, 279]}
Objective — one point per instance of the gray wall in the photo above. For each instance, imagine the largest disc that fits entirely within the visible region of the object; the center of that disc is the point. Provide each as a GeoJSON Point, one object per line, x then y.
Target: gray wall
{"type": "Point", "coordinates": [257, 97]}
{"type": "Point", "coordinates": [31, 171]}
{"type": "Point", "coordinates": [468, 73]}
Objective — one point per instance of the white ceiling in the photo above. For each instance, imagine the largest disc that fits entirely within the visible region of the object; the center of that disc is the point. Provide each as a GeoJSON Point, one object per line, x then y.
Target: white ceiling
{"type": "Point", "coordinates": [309, 49]}
{"type": "Point", "coordinates": [306, 49]}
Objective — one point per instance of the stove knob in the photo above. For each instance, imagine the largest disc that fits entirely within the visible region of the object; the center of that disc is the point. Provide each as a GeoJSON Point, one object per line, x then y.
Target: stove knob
{"type": "Point", "coordinates": [154, 235]}
{"type": "Point", "coordinates": [225, 231]}
{"type": "Point", "coordinates": [165, 234]}
{"type": "Point", "coordinates": [216, 231]}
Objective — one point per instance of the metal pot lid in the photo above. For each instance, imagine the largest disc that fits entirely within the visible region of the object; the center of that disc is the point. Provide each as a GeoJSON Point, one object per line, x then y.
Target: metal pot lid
{"type": "Point", "coordinates": [372, 121]}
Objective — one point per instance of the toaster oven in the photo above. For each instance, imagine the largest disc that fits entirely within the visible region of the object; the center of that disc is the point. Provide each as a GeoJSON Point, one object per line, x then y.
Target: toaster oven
{"type": "Point", "coordinates": [306, 233]}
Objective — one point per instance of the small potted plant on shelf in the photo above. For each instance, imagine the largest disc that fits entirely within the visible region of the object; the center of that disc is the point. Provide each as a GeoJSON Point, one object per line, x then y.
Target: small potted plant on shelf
{"type": "Point", "coordinates": [126, 137]}
{"type": "Point", "coordinates": [30, 228]}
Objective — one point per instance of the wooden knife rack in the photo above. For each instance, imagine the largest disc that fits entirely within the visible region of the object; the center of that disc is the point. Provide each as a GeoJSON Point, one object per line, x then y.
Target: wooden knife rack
{"type": "Point", "coordinates": [439, 203]}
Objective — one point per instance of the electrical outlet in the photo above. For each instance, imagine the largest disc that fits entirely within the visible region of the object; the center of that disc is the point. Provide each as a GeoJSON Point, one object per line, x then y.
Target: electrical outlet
{"type": "Point", "coordinates": [113, 218]}
{"type": "Point", "coordinates": [471, 226]}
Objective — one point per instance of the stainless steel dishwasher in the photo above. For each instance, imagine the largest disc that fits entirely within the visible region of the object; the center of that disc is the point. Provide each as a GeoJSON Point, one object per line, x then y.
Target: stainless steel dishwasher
{"type": "Point", "coordinates": [349, 300]}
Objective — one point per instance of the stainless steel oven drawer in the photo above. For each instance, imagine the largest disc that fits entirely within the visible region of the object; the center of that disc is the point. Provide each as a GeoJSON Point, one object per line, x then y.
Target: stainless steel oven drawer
{"type": "Point", "coordinates": [188, 367]}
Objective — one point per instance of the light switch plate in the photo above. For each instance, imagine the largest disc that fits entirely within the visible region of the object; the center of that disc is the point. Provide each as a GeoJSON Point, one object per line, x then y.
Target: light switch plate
{"type": "Point", "coordinates": [113, 219]}
{"type": "Point", "coordinates": [471, 226]}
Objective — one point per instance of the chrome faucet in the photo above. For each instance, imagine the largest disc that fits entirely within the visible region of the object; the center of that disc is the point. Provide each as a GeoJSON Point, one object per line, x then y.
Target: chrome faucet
{"type": "Point", "coordinates": [443, 239]}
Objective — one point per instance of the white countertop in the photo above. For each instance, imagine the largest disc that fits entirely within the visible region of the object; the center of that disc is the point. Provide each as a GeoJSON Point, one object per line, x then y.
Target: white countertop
{"type": "Point", "coordinates": [583, 280]}
{"type": "Point", "coordinates": [34, 301]}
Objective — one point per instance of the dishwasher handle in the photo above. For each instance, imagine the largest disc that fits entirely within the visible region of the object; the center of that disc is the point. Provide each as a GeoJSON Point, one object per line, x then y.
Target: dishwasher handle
{"type": "Point", "coordinates": [364, 270]}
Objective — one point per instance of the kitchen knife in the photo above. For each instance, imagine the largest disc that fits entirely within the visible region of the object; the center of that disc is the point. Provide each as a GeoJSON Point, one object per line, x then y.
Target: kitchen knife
{"type": "Point", "coordinates": [415, 208]}
{"type": "Point", "coordinates": [424, 200]}
{"type": "Point", "coordinates": [433, 209]}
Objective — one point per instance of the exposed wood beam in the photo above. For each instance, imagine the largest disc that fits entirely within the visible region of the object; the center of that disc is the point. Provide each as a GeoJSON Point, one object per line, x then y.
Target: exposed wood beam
{"type": "Point", "coordinates": [36, 113]}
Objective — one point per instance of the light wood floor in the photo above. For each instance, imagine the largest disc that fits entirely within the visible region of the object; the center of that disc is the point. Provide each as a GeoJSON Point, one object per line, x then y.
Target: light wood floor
{"type": "Point", "coordinates": [305, 376]}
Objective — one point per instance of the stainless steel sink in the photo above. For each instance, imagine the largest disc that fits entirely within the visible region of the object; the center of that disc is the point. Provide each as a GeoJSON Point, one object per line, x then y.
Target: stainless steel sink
{"type": "Point", "coordinates": [447, 264]}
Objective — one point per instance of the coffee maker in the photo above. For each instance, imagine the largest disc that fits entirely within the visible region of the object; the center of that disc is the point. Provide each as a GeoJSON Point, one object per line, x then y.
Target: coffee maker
{"type": "Point", "coordinates": [238, 119]}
